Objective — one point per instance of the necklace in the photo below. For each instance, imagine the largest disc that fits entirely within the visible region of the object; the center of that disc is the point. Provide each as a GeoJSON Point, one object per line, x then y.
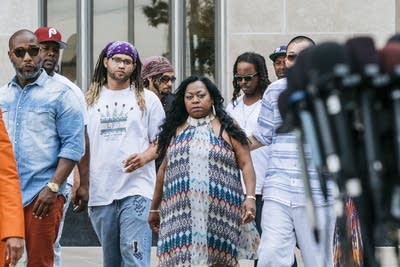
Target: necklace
{"type": "Point", "coordinates": [201, 121]}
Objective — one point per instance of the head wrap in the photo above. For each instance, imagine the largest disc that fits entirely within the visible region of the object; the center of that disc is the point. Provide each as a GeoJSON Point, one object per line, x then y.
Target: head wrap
{"type": "Point", "coordinates": [121, 47]}
{"type": "Point", "coordinates": [155, 65]}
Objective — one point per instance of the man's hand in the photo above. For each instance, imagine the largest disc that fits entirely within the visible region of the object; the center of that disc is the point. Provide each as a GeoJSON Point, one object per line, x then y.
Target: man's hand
{"type": "Point", "coordinates": [14, 250]}
{"type": "Point", "coordinates": [81, 198]}
{"type": "Point", "coordinates": [44, 203]}
{"type": "Point", "coordinates": [134, 162]}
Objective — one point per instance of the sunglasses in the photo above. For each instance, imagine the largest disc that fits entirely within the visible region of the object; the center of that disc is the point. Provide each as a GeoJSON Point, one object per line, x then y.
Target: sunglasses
{"type": "Point", "coordinates": [21, 52]}
{"type": "Point", "coordinates": [291, 57]}
{"type": "Point", "coordinates": [247, 78]}
{"type": "Point", "coordinates": [166, 78]}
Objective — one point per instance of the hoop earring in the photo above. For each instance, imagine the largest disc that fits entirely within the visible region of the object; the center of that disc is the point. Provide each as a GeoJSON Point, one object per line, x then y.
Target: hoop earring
{"type": "Point", "coordinates": [213, 110]}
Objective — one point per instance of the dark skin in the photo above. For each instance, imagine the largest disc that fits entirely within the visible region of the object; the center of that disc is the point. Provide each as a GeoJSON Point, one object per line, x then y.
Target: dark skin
{"type": "Point", "coordinates": [46, 198]}
{"type": "Point", "coordinates": [50, 53]}
{"type": "Point", "coordinates": [26, 71]}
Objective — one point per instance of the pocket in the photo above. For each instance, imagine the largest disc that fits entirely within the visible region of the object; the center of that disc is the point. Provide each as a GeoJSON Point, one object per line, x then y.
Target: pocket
{"type": "Point", "coordinates": [39, 119]}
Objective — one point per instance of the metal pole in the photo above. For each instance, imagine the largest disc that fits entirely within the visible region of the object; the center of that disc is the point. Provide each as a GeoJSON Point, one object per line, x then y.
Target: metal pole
{"type": "Point", "coordinates": [42, 13]}
{"type": "Point", "coordinates": [84, 43]}
{"type": "Point", "coordinates": [178, 33]}
{"type": "Point", "coordinates": [221, 54]}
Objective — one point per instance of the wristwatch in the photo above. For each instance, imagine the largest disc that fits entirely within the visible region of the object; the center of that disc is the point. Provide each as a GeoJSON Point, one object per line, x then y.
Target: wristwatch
{"type": "Point", "coordinates": [55, 188]}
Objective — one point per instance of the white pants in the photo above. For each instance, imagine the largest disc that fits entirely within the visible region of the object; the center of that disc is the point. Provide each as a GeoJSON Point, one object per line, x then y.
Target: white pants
{"type": "Point", "coordinates": [282, 226]}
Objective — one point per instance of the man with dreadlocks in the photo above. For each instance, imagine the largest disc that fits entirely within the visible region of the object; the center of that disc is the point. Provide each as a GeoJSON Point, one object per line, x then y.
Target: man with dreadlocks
{"type": "Point", "coordinates": [158, 76]}
{"type": "Point", "coordinates": [250, 79]}
{"type": "Point", "coordinates": [123, 124]}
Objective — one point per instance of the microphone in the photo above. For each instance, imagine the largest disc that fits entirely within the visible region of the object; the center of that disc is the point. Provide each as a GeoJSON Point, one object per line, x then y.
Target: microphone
{"type": "Point", "coordinates": [390, 63]}
{"type": "Point", "coordinates": [297, 118]}
{"type": "Point", "coordinates": [329, 66]}
{"type": "Point", "coordinates": [364, 61]}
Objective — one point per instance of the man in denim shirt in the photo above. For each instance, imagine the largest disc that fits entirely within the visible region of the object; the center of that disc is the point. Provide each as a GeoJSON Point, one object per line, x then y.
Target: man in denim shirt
{"type": "Point", "coordinates": [45, 124]}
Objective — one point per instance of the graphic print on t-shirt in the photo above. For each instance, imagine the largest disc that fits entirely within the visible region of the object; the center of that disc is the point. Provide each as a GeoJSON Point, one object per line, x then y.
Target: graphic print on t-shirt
{"type": "Point", "coordinates": [113, 121]}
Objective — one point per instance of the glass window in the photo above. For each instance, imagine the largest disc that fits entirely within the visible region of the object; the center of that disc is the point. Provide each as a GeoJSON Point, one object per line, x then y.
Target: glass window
{"type": "Point", "coordinates": [151, 27]}
{"type": "Point", "coordinates": [62, 16]}
{"type": "Point", "coordinates": [142, 22]}
{"type": "Point", "coordinates": [200, 42]}
{"type": "Point", "coordinates": [110, 23]}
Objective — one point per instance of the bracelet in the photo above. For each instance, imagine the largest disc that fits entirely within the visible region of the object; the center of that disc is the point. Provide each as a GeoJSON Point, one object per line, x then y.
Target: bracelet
{"type": "Point", "coordinates": [154, 211]}
{"type": "Point", "coordinates": [252, 197]}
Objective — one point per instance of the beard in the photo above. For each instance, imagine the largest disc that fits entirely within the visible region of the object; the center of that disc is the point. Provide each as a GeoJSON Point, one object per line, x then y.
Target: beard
{"type": "Point", "coordinates": [119, 76]}
{"type": "Point", "coordinates": [27, 75]}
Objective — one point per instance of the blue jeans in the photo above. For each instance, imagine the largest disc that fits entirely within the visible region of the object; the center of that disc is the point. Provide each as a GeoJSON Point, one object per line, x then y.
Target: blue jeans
{"type": "Point", "coordinates": [57, 245]}
{"type": "Point", "coordinates": [123, 231]}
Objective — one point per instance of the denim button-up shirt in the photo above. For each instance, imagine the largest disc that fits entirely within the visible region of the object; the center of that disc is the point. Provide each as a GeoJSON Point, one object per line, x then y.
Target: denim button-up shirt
{"type": "Point", "coordinates": [44, 122]}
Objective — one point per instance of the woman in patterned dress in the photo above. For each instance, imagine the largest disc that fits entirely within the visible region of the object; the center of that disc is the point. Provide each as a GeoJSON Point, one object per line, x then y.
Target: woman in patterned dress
{"type": "Point", "coordinates": [199, 209]}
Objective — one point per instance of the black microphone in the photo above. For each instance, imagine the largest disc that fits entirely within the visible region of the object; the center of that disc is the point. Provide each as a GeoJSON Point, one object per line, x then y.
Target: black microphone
{"type": "Point", "coordinates": [293, 105]}
{"type": "Point", "coordinates": [364, 60]}
{"type": "Point", "coordinates": [329, 66]}
{"type": "Point", "coordinates": [390, 63]}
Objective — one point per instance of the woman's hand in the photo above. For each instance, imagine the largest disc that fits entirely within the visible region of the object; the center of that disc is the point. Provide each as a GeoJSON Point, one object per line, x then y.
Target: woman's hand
{"type": "Point", "coordinates": [248, 210]}
{"type": "Point", "coordinates": [154, 221]}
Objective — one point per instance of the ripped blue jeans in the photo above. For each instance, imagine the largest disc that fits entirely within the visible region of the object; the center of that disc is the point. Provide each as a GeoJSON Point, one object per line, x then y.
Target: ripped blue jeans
{"type": "Point", "coordinates": [123, 231]}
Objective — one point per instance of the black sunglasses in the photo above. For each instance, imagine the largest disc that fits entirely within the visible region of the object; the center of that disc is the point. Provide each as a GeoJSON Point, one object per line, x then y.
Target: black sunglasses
{"type": "Point", "coordinates": [247, 78]}
{"type": "Point", "coordinates": [291, 57]}
{"type": "Point", "coordinates": [166, 78]}
{"type": "Point", "coordinates": [21, 52]}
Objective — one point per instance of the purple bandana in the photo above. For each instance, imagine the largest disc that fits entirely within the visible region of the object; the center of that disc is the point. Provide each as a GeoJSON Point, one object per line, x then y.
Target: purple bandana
{"type": "Point", "coordinates": [121, 47]}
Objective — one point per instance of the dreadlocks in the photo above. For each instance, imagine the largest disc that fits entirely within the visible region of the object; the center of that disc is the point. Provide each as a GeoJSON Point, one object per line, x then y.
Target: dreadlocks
{"type": "Point", "coordinates": [100, 77]}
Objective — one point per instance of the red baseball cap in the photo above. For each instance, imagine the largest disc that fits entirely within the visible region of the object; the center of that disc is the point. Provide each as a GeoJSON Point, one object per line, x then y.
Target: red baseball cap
{"type": "Point", "coordinates": [49, 34]}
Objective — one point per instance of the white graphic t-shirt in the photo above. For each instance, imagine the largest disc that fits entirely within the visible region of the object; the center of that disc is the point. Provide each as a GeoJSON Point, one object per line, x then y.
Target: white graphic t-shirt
{"type": "Point", "coordinates": [117, 128]}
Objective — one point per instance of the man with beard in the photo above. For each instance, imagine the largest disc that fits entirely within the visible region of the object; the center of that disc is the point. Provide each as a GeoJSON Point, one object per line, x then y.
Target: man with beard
{"type": "Point", "coordinates": [50, 44]}
{"type": "Point", "coordinates": [284, 219]}
{"type": "Point", "coordinates": [250, 79]}
{"type": "Point", "coordinates": [158, 76]}
{"type": "Point", "coordinates": [45, 124]}
{"type": "Point", "coordinates": [123, 125]}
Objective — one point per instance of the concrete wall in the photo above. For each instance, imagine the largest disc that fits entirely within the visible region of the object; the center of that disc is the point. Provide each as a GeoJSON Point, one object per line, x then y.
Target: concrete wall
{"type": "Point", "coordinates": [262, 25]}
{"type": "Point", "coordinates": [15, 15]}
{"type": "Point", "coordinates": [257, 25]}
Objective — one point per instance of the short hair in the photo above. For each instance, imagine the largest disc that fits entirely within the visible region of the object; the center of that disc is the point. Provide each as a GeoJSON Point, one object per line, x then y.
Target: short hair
{"type": "Point", "coordinates": [301, 38]}
{"type": "Point", "coordinates": [18, 33]}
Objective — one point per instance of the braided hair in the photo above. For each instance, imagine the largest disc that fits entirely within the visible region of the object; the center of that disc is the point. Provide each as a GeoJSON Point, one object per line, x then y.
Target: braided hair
{"type": "Point", "coordinates": [261, 68]}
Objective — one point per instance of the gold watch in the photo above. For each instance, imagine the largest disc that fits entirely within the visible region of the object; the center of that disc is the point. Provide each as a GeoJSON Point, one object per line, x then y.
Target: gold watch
{"type": "Point", "coordinates": [55, 188]}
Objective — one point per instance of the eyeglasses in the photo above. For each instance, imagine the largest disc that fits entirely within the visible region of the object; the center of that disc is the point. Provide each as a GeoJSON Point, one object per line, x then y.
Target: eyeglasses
{"type": "Point", "coordinates": [126, 62]}
{"type": "Point", "coordinates": [291, 57]}
{"type": "Point", "coordinates": [166, 78]}
{"type": "Point", "coordinates": [21, 52]}
{"type": "Point", "coordinates": [247, 78]}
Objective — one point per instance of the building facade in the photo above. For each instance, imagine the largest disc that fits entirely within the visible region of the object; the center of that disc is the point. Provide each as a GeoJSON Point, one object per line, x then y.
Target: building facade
{"type": "Point", "coordinates": [198, 36]}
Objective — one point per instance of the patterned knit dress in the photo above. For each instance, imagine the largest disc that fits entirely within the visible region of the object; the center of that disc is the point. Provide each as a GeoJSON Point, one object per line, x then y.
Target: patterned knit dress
{"type": "Point", "coordinates": [201, 205]}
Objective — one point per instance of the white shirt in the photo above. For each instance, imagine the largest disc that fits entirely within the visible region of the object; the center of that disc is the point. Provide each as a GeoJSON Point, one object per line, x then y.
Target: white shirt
{"type": "Point", "coordinates": [117, 128]}
{"type": "Point", "coordinates": [246, 116]}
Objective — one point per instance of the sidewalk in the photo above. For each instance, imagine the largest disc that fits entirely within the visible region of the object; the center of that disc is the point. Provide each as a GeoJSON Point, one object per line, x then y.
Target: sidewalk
{"type": "Point", "coordinates": [92, 257]}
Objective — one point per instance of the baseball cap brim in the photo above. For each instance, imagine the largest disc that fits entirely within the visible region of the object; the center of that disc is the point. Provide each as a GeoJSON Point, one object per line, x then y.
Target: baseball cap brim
{"type": "Point", "coordinates": [61, 43]}
{"type": "Point", "coordinates": [273, 56]}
